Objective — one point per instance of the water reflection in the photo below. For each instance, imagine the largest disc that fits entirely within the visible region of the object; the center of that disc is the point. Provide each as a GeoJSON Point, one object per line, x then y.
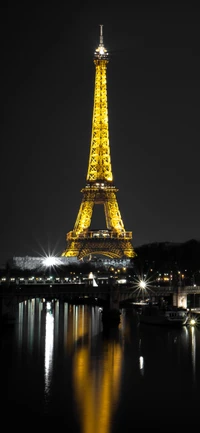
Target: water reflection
{"type": "Point", "coordinates": [97, 384]}
{"type": "Point", "coordinates": [29, 325]}
{"type": "Point", "coordinates": [96, 367]}
{"type": "Point", "coordinates": [170, 348]}
{"type": "Point", "coordinates": [191, 335]}
{"type": "Point", "coordinates": [141, 359]}
{"type": "Point", "coordinates": [96, 357]}
{"type": "Point", "coordinates": [48, 357]}
{"type": "Point", "coordinates": [63, 364]}
{"type": "Point", "coordinates": [193, 344]}
{"type": "Point", "coordinates": [35, 337]}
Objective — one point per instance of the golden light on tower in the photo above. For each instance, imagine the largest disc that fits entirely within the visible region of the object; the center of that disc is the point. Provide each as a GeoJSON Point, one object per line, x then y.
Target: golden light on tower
{"type": "Point", "coordinates": [115, 241]}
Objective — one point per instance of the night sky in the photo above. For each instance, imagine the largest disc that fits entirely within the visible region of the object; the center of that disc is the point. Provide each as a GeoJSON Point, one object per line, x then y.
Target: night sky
{"type": "Point", "coordinates": [47, 88]}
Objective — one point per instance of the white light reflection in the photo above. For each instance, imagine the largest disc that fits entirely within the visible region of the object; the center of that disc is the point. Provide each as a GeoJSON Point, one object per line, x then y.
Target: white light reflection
{"type": "Point", "coordinates": [49, 342]}
{"type": "Point", "coordinates": [193, 334]}
{"type": "Point", "coordinates": [141, 359]}
{"type": "Point", "coordinates": [190, 333]}
{"type": "Point", "coordinates": [141, 362]}
{"type": "Point", "coordinates": [31, 323]}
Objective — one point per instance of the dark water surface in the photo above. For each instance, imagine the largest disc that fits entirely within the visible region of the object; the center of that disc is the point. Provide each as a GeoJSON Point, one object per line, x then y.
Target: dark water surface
{"type": "Point", "coordinates": [59, 370]}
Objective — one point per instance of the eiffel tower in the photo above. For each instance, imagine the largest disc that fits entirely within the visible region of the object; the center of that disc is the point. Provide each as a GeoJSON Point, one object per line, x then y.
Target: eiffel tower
{"type": "Point", "coordinates": [115, 241]}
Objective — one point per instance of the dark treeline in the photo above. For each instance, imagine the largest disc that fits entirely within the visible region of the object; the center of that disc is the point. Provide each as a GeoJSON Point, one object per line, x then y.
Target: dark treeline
{"type": "Point", "coordinates": [170, 256]}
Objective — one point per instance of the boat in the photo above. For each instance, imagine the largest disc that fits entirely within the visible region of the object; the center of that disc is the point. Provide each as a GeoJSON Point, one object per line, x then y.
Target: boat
{"type": "Point", "coordinates": [154, 314]}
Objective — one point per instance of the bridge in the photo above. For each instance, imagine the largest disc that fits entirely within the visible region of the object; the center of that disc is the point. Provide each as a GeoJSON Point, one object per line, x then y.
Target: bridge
{"type": "Point", "coordinates": [11, 295]}
{"type": "Point", "coordinates": [125, 291]}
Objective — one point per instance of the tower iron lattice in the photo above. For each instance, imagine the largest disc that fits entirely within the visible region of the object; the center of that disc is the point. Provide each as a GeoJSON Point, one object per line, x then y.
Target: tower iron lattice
{"type": "Point", "coordinates": [115, 241]}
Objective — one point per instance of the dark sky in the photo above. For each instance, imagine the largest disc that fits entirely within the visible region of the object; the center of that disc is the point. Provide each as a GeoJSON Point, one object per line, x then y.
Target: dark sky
{"type": "Point", "coordinates": [47, 86]}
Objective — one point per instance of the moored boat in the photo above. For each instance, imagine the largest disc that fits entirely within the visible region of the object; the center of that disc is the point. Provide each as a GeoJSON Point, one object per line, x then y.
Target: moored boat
{"type": "Point", "coordinates": [162, 315]}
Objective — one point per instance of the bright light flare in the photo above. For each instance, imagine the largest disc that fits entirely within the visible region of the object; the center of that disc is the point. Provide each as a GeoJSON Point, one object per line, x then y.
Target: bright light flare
{"type": "Point", "coordinates": [193, 322]}
{"type": "Point", "coordinates": [51, 261]}
{"type": "Point", "coordinates": [142, 284]}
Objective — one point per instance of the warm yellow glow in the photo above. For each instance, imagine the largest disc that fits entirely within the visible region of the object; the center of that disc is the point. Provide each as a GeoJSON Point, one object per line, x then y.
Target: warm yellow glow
{"type": "Point", "coordinates": [99, 188]}
{"type": "Point", "coordinates": [96, 384]}
{"type": "Point", "coordinates": [97, 394]}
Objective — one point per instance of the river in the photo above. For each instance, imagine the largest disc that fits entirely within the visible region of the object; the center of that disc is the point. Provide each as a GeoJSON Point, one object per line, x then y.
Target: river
{"type": "Point", "coordinates": [60, 370]}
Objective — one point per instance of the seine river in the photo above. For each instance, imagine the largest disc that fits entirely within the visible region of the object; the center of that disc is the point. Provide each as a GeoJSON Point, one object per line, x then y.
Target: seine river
{"type": "Point", "coordinates": [60, 370]}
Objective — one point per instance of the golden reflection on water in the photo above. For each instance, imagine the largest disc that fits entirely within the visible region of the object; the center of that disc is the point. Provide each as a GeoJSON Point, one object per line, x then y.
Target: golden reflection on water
{"type": "Point", "coordinates": [96, 378]}
{"type": "Point", "coordinates": [63, 336]}
{"type": "Point", "coordinates": [96, 358]}
{"type": "Point", "coordinates": [77, 325]}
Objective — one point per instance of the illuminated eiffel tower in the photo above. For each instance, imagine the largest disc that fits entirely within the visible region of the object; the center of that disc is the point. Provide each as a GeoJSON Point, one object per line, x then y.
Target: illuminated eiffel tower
{"type": "Point", "coordinates": [115, 241]}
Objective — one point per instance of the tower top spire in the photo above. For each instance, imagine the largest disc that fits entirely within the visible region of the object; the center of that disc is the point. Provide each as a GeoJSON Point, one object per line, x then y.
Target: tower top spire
{"type": "Point", "coordinates": [101, 34]}
{"type": "Point", "coordinates": [101, 52]}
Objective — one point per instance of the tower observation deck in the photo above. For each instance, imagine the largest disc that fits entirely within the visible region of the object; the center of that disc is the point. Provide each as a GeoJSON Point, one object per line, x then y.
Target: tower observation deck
{"type": "Point", "coordinates": [115, 241]}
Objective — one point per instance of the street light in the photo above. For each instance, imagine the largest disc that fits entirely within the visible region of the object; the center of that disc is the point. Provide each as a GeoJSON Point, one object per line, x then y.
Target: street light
{"type": "Point", "coordinates": [142, 285]}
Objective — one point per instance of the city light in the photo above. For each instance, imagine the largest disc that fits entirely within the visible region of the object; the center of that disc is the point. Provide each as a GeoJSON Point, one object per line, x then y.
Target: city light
{"type": "Point", "coordinates": [192, 322]}
{"type": "Point", "coordinates": [142, 285]}
{"type": "Point", "coordinates": [51, 261]}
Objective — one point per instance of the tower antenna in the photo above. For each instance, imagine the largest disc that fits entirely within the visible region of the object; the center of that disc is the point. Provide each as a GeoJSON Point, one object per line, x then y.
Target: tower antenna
{"type": "Point", "coordinates": [101, 34]}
